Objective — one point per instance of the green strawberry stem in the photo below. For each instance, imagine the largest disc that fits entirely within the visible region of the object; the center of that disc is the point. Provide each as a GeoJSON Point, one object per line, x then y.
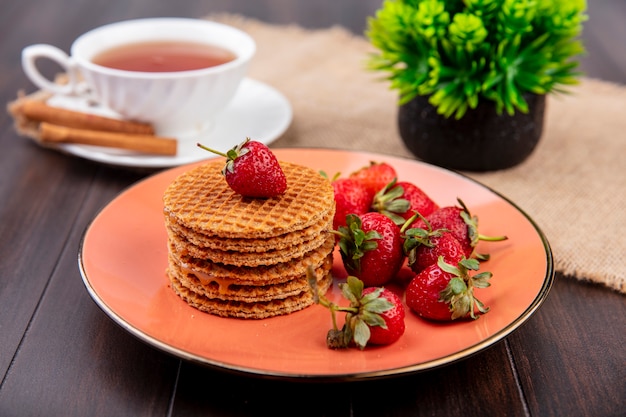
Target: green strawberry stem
{"type": "Point", "coordinates": [472, 223]}
{"type": "Point", "coordinates": [206, 148]}
{"type": "Point", "coordinates": [323, 301]}
{"type": "Point", "coordinates": [492, 238]}
{"type": "Point", "coordinates": [231, 154]}
{"type": "Point", "coordinates": [410, 221]}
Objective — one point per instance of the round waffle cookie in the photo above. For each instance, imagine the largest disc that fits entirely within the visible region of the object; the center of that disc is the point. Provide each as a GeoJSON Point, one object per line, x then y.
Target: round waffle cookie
{"type": "Point", "coordinates": [270, 256]}
{"type": "Point", "coordinates": [252, 310]}
{"type": "Point", "coordinates": [241, 257]}
{"type": "Point", "coordinates": [260, 275]}
{"type": "Point", "coordinates": [202, 201]}
{"type": "Point", "coordinates": [280, 242]}
{"type": "Point", "coordinates": [230, 290]}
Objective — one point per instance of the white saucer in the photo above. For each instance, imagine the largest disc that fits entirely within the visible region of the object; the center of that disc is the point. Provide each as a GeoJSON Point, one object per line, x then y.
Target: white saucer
{"type": "Point", "coordinates": [257, 111]}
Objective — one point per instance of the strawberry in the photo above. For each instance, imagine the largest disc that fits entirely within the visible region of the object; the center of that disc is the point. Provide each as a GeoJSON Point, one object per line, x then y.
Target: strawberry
{"type": "Point", "coordinates": [424, 248]}
{"type": "Point", "coordinates": [445, 292]}
{"type": "Point", "coordinates": [252, 170]}
{"type": "Point", "coordinates": [371, 247]}
{"type": "Point", "coordinates": [375, 176]}
{"type": "Point", "coordinates": [401, 200]}
{"type": "Point", "coordinates": [394, 325]}
{"type": "Point", "coordinates": [462, 225]}
{"type": "Point", "coordinates": [375, 315]}
{"type": "Point", "coordinates": [351, 197]}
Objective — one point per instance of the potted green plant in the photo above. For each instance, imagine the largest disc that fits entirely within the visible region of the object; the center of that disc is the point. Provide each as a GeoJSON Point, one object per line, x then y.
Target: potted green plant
{"type": "Point", "coordinates": [472, 75]}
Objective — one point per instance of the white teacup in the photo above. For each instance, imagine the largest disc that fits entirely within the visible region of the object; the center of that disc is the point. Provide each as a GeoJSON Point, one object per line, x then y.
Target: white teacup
{"type": "Point", "coordinates": [175, 103]}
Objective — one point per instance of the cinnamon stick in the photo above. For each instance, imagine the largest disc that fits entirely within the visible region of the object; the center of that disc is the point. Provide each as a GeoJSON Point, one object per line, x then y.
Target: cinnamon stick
{"type": "Point", "coordinates": [136, 142]}
{"type": "Point", "coordinates": [41, 112]}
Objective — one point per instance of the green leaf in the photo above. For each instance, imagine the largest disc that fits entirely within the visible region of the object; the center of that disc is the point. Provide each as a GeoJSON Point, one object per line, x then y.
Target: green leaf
{"type": "Point", "coordinates": [377, 305]}
{"type": "Point", "coordinates": [481, 307]}
{"type": "Point", "coordinates": [457, 286]}
{"type": "Point", "coordinates": [397, 219]}
{"type": "Point", "coordinates": [348, 293]}
{"type": "Point", "coordinates": [461, 306]}
{"type": "Point", "coordinates": [371, 296]}
{"type": "Point", "coordinates": [373, 319]}
{"type": "Point", "coordinates": [367, 246]}
{"type": "Point", "coordinates": [356, 286]}
{"type": "Point", "coordinates": [481, 280]}
{"type": "Point", "coordinates": [446, 267]}
{"type": "Point", "coordinates": [470, 263]}
{"type": "Point", "coordinates": [361, 333]}
{"type": "Point", "coordinates": [418, 233]}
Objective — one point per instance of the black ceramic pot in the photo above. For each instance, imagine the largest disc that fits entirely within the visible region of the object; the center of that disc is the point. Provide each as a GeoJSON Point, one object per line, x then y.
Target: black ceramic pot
{"type": "Point", "coordinates": [481, 140]}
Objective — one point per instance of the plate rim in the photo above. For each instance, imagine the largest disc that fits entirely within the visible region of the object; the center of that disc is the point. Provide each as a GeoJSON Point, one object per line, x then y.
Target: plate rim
{"type": "Point", "coordinates": [439, 362]}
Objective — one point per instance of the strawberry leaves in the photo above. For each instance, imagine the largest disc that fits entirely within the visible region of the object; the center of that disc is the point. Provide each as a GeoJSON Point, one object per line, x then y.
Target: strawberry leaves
{"type": "Point", "coordinates": [368, 311]}
{"type": "Point", "coordinates": [232, 154]}
{"type": "Point", "coordinates": [354, 242]}
{"type": "Point", "coordinates": [390, 202]}
{"type": "Point", "coordinates": [375, 315]}
{"type": "Point", "coordinates": [445, 291]}
{"type": "Point", "coordinates": [459, 292]}
{"type": "Point", "coordinates": [371, 247]}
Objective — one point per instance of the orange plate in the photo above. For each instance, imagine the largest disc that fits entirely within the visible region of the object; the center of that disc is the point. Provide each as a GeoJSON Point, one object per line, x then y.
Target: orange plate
{"type": "Point", "coordinates": [123, 257]}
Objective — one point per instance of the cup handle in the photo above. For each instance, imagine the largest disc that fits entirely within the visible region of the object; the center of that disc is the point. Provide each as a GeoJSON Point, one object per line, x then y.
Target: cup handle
{"type": "Point", "coordinates": [31, 53]}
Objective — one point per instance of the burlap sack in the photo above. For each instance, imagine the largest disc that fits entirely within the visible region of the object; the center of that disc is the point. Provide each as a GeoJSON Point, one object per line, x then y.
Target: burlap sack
{"type": "Point", "coordinates": [573, 186]}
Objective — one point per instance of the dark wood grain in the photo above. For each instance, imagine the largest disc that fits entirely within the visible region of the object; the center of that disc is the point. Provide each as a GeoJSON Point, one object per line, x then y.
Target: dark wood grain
{"type": "Point", "coordinates": [47, 213]}
{"type": "Point", "coordinates": [60, 355]}
{"type": "Point", "coordinates": [416, 395]}
{"type": "Point", "coordinates": [568, 355]}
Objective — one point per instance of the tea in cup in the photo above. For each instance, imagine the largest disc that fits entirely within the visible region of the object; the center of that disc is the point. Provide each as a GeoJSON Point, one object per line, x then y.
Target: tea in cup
{"type": "Point", "coordinates": [174, 73]}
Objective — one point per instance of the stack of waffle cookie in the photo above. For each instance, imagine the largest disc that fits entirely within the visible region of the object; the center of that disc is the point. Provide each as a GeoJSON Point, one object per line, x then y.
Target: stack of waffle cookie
{"type": "Point", "coordinates": [234, 256]}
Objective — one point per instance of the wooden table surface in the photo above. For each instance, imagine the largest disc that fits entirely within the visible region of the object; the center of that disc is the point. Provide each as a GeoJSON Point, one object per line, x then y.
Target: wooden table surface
{"type": "Point", "coordinates": [60, 355]}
